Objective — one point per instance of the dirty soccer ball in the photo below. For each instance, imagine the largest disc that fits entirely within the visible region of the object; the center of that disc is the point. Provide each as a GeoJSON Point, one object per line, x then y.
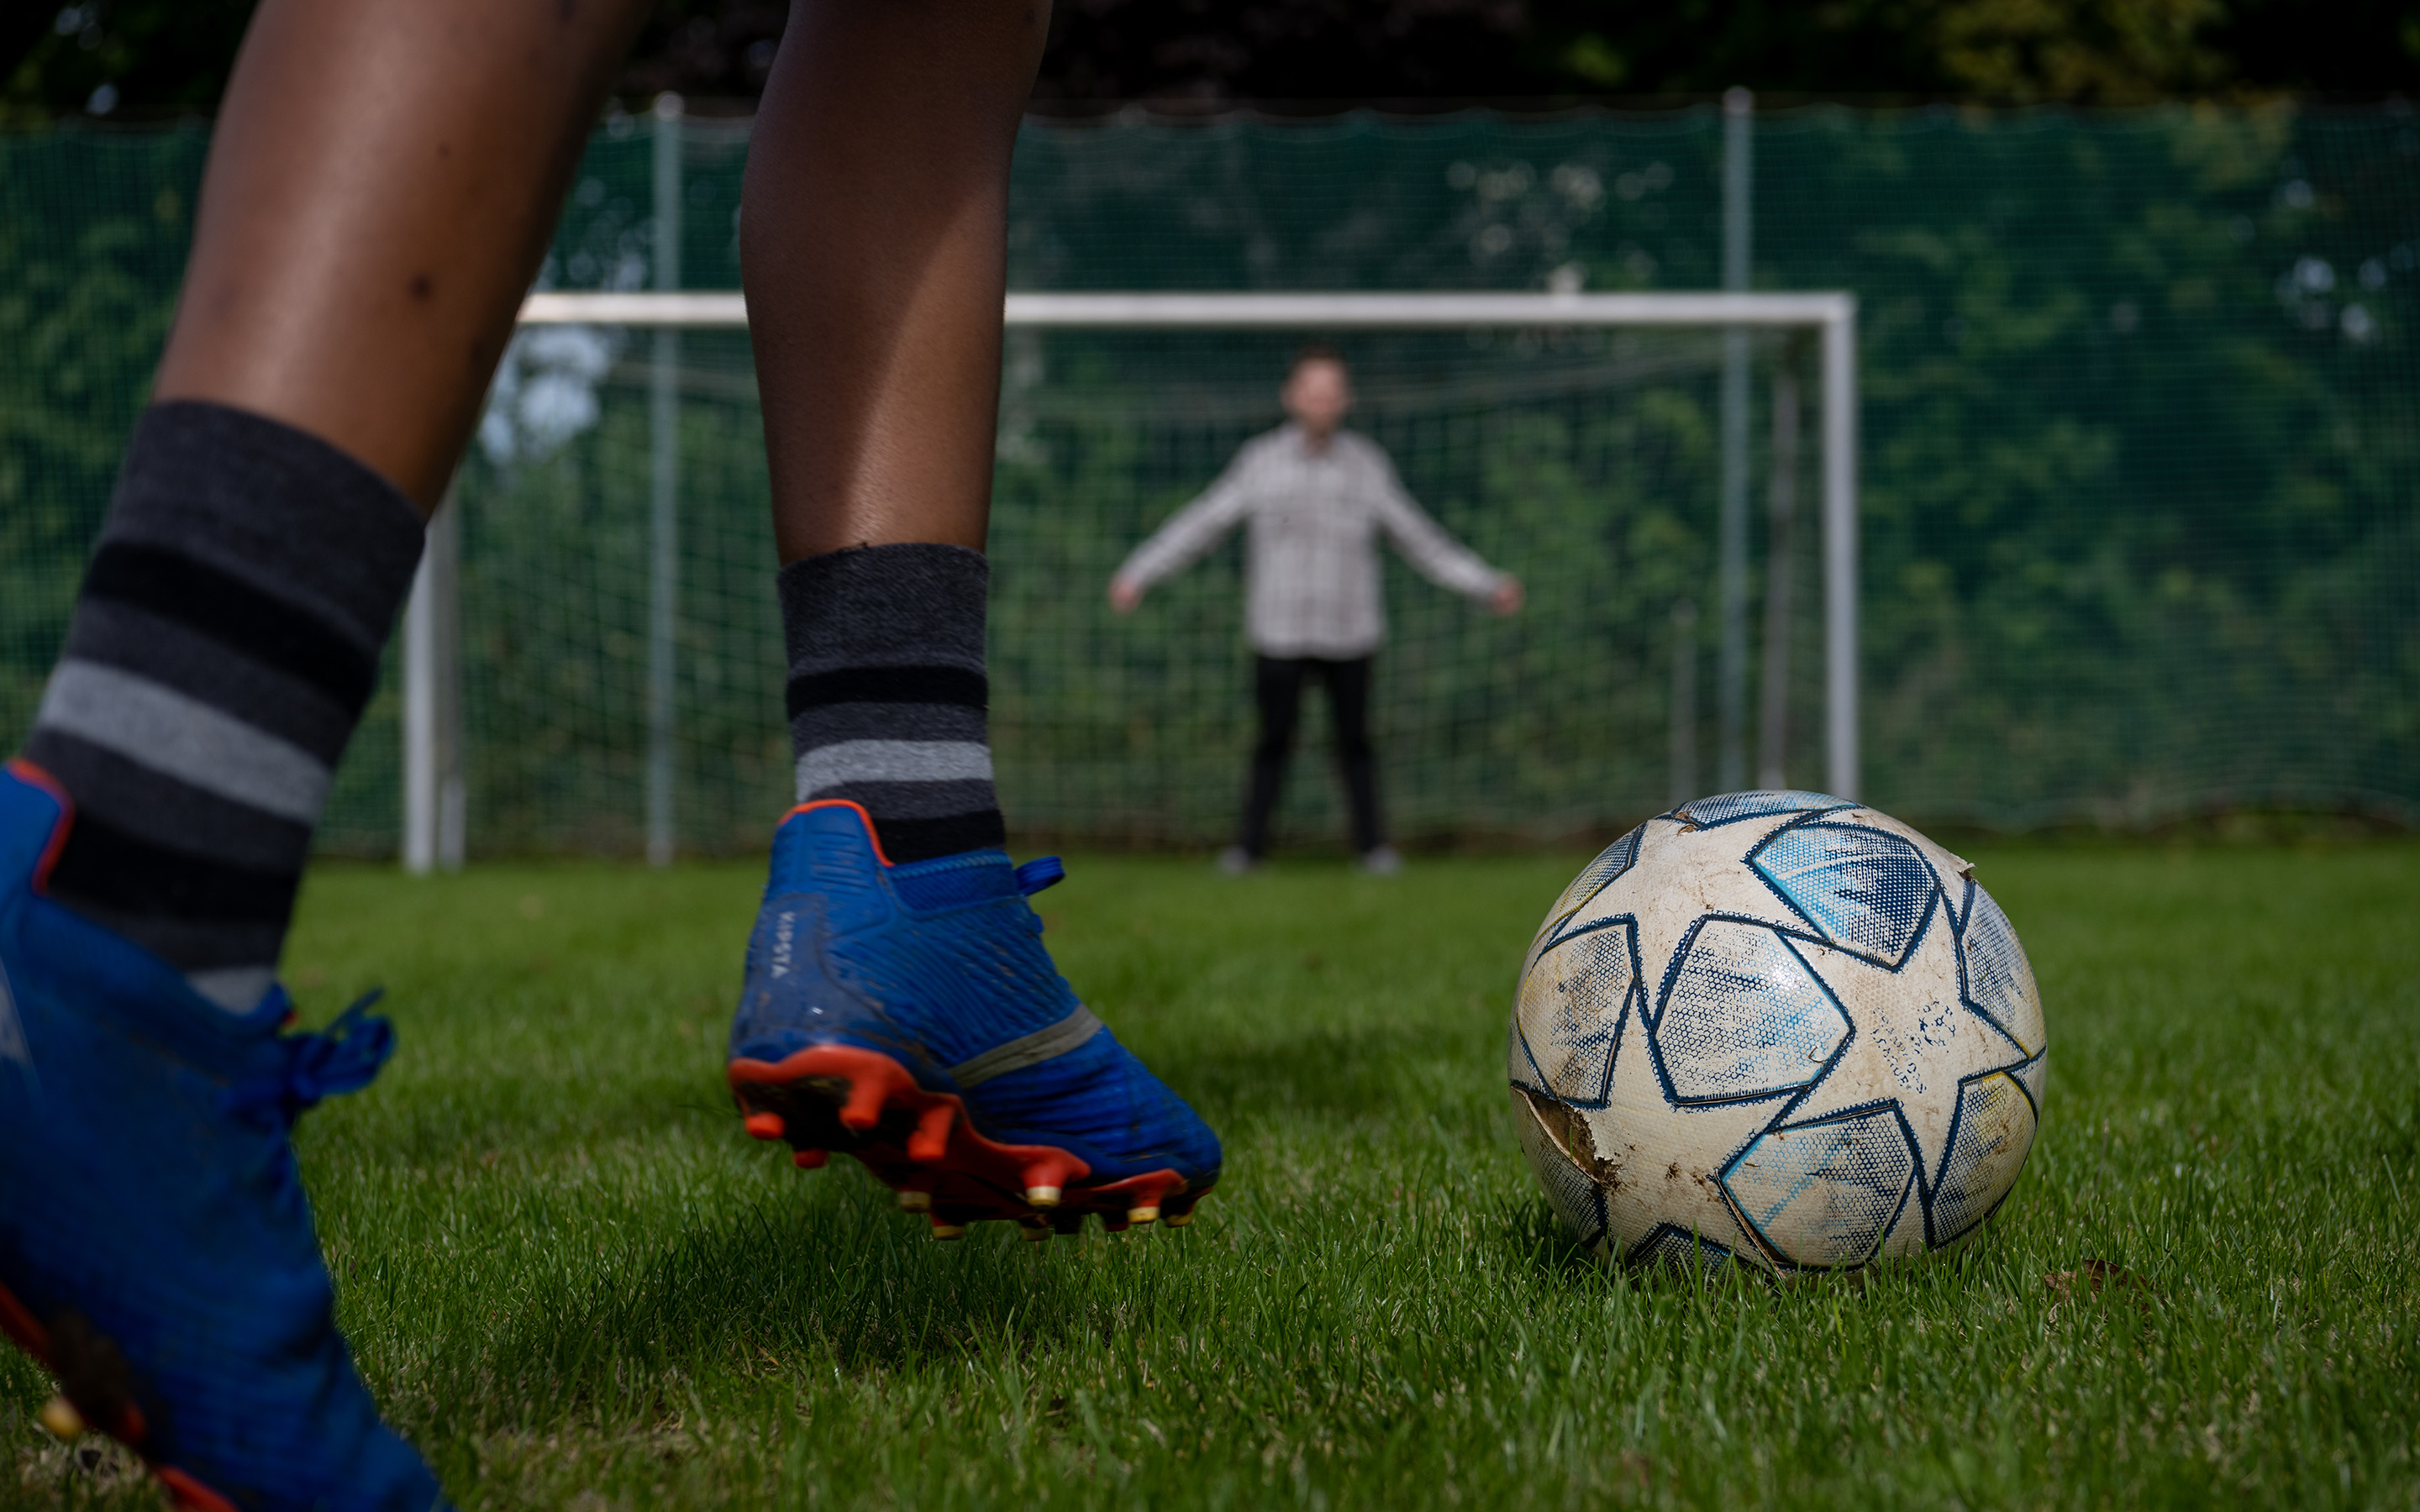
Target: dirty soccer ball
{"type": "Point", "coordinates": [1778, 1028]}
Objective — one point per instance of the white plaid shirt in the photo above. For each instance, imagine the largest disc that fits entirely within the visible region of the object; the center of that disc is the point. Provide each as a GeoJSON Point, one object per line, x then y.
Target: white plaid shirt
{"type": "Point", "coordinates": [1311, 570]}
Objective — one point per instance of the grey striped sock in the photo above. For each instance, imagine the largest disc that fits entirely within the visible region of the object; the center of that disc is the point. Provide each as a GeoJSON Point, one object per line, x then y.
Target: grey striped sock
{"type": "Point", "coordinates": [226, 638]}
{"type": "Point", "coordinates": [886, 692]}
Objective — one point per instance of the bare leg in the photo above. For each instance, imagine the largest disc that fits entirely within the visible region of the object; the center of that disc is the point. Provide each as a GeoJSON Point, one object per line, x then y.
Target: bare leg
{"type": "Point", "coordinates": [384, 181]}
{"type": "Point", "coordinates": [872, 244]}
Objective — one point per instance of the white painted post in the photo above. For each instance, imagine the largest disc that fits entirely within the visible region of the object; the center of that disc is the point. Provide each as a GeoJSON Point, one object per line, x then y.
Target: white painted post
{"type": "Point", "coordinates": [1842, 775]}
{"type": "Point", "coordinates": [664, 511]}
{"type": "Point", "coordinates": [1731, 690]}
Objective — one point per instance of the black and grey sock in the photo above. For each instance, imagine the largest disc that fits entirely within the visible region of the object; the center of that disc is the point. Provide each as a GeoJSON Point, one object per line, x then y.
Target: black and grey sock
{"type": "Point", "coordinates": [226, 640]}
{"type": "Point", "coordinates": [886, 692]}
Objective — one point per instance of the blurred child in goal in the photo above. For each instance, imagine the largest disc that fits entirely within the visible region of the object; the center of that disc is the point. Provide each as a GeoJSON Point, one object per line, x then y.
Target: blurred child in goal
{"type": "Point", "coordinates": [1316, 498]}
{"type": "Point", "coordinates": [384, 176]}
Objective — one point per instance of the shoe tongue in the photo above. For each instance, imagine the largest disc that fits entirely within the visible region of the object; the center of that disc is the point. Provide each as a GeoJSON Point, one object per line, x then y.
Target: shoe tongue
{"type": "Point", "coordinates": [953, 881]}
{"type": "Point", "coordinates": [196, 1029]}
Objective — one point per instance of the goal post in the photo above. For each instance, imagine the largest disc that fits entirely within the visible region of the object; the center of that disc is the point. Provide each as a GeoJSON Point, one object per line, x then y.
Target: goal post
{"type": "Point", "coordinates": [1830, 315]}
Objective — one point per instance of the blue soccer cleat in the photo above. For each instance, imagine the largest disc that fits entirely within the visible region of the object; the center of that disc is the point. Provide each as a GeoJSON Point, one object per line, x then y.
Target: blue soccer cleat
{"type": "Point", "coordinates": [156, 1250]}
{"type": "Point", "coordinates": [910, 1016]}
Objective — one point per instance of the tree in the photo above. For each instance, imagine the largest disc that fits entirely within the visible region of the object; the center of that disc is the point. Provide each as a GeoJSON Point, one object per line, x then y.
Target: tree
{"type": "Point", "coordinates": [149, 58]}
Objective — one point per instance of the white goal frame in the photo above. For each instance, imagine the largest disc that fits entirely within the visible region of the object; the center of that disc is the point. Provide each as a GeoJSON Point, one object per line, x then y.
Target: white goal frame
{"type": "Point", "coordinates": [432, 778]}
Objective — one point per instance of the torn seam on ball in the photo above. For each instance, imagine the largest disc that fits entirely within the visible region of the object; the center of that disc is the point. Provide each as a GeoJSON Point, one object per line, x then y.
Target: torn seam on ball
{"type": "Point", "coordinates": [1571, 1133]}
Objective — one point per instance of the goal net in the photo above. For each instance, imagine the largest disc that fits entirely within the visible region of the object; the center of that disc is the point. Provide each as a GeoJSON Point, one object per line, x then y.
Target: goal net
{"type": "Point", "coordinates": [593, 655]}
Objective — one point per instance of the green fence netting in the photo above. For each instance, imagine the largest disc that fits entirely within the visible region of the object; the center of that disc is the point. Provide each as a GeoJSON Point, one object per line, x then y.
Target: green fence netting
{"type": "Point", "coordinates": [2139, 535]}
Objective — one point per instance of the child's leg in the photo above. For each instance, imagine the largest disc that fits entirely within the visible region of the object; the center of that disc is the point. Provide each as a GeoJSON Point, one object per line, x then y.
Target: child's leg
{"type": "Point", "coordinates": [382, 183]}
{"type": "Point", "coordinates": [898, 1005]}
{"type": "Point", "coordinates": [874, 237]}
{"type": "Point", "coordinates": [381, 186]}
{"type": "Point", "coordinates": [383, 179]}
{"type": "Point", "coordinates": [874, 243]}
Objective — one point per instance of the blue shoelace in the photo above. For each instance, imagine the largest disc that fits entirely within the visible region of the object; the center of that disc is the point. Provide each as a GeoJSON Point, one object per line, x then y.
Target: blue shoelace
{"type": "Point", "coordinates": [345, 1057]}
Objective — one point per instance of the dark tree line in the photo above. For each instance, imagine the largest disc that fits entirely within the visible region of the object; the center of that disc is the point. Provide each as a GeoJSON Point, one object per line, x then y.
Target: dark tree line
{"type": "Point", "coordinates": [150, 58]}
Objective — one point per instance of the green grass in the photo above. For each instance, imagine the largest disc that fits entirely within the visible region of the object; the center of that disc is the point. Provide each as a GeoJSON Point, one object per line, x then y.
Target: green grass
{"type": "Point", "coordinates": [575, 1283]}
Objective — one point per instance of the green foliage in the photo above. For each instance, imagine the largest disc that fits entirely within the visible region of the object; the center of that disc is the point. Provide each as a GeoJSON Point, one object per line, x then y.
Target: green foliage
{"type": "Point", "coordinates": [155, 58]}
{"type": "Point", "coordinates": [573, 1280]}
{"type": "Point", "coordinates": [92, 234]}
{"type": "Point", "coordinates": [169, 57]}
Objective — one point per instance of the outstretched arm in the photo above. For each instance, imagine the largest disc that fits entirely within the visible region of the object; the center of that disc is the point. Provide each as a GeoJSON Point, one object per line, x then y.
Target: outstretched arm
{"type": "Point", "coordinates": [1438, 557]}
{"type": "Point", "coordinates": [1188, 533]}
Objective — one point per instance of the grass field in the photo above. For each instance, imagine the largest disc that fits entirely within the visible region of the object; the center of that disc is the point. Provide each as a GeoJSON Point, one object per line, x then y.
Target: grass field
{"type": "Point", "coordinates": [576, 1283]}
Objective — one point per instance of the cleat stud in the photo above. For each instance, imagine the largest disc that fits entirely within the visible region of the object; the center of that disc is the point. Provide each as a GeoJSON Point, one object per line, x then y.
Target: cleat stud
{"type": "Point", "coordinates": [867, 1095]}
{"type": "Point", "coordinates": [1035, 1233]}
{"type": "Point", "coordinates": [1045, 1179]}
{"type": "Point", "coordinates": [911, 1200]}
{"type": "Point", "coordinates": [1142, 1215]}
{"type": "Point", "coordinates": [1114, 1225]}
{"type": "Point", "coordinates": [948, 1231]}
{"type": "Point", "coordinates": [1177, 1220]}
{"type": "Point", "coordinates": [807, 1160]}
{"type": "Point", "coordinates": [61, 1420]}
{"type": "Point", "coordinates": [931, 1140]}
{"type": "Point", "coordinates": [763, 1125]}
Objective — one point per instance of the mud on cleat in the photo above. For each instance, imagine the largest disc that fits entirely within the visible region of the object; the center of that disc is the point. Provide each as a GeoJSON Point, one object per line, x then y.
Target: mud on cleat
{"type": "Point", "coordinates": [910, 1016]}
{"type": "Point", "coordinates": [156, 1251]}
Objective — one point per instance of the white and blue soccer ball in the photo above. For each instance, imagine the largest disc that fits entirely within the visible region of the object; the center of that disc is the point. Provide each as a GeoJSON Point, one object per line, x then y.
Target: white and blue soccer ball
{"type": "Point", "coordinates": [1775, 1027]}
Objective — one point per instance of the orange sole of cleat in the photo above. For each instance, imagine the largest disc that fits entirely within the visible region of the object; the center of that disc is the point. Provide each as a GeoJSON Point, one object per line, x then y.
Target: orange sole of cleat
{"type": "Point", "coordinates": [930, 1144]}
{"type": "Point", "coordinates": [808, 1160]}
{"type": "Point", "coordinates": [25, 1331]}
{"type": "Point", "coordinates": [865, 1104]}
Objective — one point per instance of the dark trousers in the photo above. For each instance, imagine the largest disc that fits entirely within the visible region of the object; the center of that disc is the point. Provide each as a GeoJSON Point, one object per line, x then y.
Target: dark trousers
{"type": "Point", "coordinates": [1277, 685]}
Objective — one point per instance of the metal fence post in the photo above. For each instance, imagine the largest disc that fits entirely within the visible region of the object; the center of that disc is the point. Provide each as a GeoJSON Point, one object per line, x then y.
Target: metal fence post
{"type": "Point", "coordinates": [1684, 702]}
{"type": "Point", "coordinates": [1773, 678]}
{"type": "Point", "coordinates": [1730, 757]}
{"type": "Point", "coordinates": [664, 522]}
{"type": "Point", "coordinates": [1841, 773]}
{"type": "Point", "coordinates": [433, 789]}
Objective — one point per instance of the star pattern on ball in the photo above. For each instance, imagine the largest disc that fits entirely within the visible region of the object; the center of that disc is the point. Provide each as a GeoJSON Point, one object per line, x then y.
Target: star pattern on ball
{"type": "Point", "coordinates": [1926, 1052]}
{"type": "Point", "coordinates": [1659, 937]}
{"type": "Point", "coordinates": [1695, 1141]}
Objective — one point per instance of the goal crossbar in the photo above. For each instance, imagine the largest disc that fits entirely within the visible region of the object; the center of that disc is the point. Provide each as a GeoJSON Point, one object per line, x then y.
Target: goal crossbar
{"type": "Point", "coordinates": [1173, 312]}
{"type": "Point", "coordinates": [1831, 314]}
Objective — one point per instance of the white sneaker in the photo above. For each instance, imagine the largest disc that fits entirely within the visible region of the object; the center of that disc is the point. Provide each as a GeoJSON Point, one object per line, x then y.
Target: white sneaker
{"type": "Point", "coordinates": [1383, 861]}
{"type": "Point", "coordinates": [1235, 861]}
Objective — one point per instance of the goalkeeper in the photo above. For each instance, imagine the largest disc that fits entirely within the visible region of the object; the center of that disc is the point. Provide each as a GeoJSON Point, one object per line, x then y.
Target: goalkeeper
{"type": "Point", "coordinates": [1316, 496]}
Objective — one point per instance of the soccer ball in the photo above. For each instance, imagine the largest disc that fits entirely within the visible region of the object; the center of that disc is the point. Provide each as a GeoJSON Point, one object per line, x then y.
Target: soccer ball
{"type": "Point", "coordinates": [1775, 1027]}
